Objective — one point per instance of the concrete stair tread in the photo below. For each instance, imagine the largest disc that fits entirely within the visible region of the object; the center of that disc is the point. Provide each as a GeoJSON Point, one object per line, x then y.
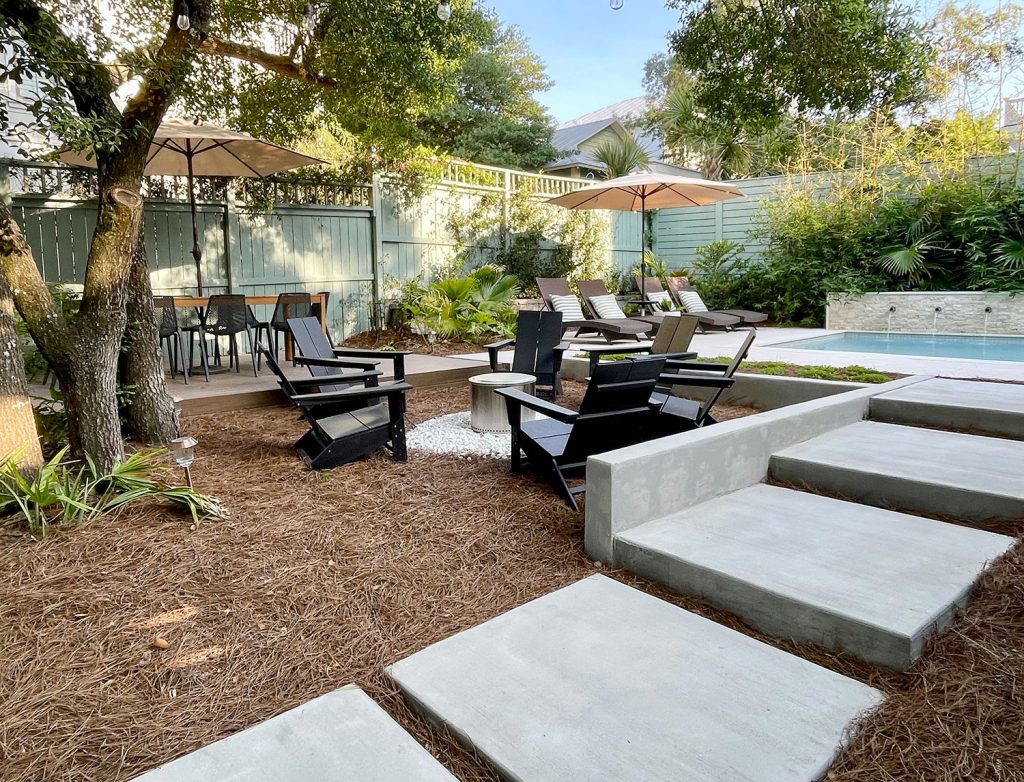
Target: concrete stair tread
{"type": "Point", "coordinates": [601, 681]}
{"type": "Point", "coordinates": [995, 408]}
{"type": "Point", "coordinates": [341, 735]}
{"type": "Point", "coordinates": [871, 581]}
{"type": "Point", "coordinates": [913, 468]}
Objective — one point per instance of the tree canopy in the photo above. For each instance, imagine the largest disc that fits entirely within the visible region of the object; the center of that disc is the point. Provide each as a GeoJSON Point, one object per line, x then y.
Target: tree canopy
{"type": "Point", "coordinates": [496, 120]}
{"type": "Point", "coordinates": [754, 63]}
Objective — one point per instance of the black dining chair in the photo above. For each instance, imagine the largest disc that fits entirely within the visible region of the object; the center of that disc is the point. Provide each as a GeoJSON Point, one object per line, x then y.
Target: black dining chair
{"type": "Point", "coordinates": [171, 337]}
{"type": "Point", "coordinates": [227, 315]}
{"type": "Point", "coordinates": [289, 305]}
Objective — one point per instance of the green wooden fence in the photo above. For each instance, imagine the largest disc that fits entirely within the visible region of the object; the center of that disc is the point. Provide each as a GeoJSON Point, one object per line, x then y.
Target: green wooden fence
{"type": "Point", "coordinates": [345, 250]}
{"type": "Point", "coordinates": [679, 232]}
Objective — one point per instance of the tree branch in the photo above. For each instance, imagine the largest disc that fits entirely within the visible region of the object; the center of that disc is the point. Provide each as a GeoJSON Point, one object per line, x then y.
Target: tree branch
{"type": "Point", "coordinates": [272, 62]}
{"type": "Point", "coordinates": [89, 83]}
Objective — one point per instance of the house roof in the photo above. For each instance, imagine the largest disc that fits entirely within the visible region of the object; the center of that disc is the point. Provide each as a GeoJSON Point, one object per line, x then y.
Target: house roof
{"type": "Point", "coordinates": [569, 135]}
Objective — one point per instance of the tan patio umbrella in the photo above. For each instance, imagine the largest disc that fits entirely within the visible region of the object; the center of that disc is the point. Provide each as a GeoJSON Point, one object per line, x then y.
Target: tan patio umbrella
{"type": "Point", "coordinates": [185, 147]}
{"type": "Point", "coordinates": [647, 190]}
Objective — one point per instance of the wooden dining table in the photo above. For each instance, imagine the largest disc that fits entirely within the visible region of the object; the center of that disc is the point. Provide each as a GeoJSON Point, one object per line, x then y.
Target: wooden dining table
{"type": "Point", "coordinates": [201, 302]}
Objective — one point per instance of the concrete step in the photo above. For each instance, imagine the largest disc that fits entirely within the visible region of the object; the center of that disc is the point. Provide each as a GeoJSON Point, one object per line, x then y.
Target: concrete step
{"type": "Point", "coordinates": [341, 735]}
{"type": "Point", "coordinates": [871, 582]}
{"type": "Point", "coordinates": [960, 475]}
{"type": "Point", "coordinates": [599, 681]}
{"type": "Point", "coordinates": [987, 408]}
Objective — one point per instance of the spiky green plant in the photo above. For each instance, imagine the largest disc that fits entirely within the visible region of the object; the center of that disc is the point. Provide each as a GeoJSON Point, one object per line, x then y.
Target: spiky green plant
{"type": "Point", "coordinates": [621, 156]}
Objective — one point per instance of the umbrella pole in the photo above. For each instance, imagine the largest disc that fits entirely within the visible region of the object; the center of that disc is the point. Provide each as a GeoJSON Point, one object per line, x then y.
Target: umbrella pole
{"type": "Point", "coordinates": [197, 251]}
{"type": "Point", "coordinates": [643, 250]}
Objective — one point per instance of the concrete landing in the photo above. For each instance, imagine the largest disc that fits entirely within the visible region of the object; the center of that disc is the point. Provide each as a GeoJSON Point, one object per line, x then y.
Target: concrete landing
{"type": "Point", "coordinates": [989, 408]}
{"type": "Point", "coordinates": [343, 735]}
{"type": "Point", "coordinates": [599, 681]}
{"type": "Point", "coordinates": [959, 475]}
{"type": "Point", "coordinates": [870, 582]}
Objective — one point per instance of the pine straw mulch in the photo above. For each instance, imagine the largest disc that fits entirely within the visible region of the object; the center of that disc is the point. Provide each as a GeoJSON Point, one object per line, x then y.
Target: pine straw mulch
{"type": "Point", "coordinates": [403, 339]}
{"type": "Point", "coordinates": [319, 580]}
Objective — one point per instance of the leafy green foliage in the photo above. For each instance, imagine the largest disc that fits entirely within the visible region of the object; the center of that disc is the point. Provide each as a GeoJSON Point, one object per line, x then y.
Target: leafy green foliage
{"type": "Point", "coordinates": [496, 120]}
{"type": "Point", "coordinates": [62, 494]}
{"type": "Point", "coordinates": [752, 62]}
{"type": "Point", "coordinates": [850, 374]}
{"type": "Point", "coordinates": [468, 309]}
{"type": "Point", "coordinates": [621, 156]}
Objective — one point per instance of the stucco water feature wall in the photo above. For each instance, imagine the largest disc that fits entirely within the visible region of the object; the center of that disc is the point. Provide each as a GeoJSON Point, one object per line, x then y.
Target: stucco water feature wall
{"type": "Point", "coordinates": [950, 312]}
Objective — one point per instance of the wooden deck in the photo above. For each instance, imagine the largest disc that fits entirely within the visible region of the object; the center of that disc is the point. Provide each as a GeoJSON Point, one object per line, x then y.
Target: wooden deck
{"type": "Point", "coordinates": [238, 391]}
{"type": "Point", "coordinates": [241, 390]}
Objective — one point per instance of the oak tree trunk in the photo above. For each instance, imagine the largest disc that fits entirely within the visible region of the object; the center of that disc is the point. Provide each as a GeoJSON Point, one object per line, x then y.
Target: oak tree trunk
{"type": "Point", "coordinates": [150, 410]}
{"type": "Point", "coordinates": [18, 436]}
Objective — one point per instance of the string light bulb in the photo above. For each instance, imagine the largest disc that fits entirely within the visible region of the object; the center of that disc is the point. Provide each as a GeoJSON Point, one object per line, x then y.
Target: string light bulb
{"type": "Point", "coordinates": [616, 5]}
{"type": "Point", "coordinates": [183, 22]}
{"type": "Point", "coordinates": [444, 10]}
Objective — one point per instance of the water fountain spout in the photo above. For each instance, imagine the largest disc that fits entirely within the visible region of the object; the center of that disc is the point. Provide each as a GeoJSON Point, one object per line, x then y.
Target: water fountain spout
{"type": "Point", "coordinates": [935, 321]}
{"type": "Point", "coordinates": [888, 325]}
{"type": "Point", "coordinates": [988, 311]}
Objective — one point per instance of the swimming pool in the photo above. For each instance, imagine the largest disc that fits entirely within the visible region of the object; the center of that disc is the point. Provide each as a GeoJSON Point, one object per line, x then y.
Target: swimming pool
{"type": "Point", "coordinates": [982, 348]}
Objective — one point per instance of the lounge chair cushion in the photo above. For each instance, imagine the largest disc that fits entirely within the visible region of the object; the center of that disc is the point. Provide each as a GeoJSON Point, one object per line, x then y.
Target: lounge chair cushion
{"type": "Point", "coordinates": [659, 296]}
{"type": "Point", "coordinates": [606, 307]}
{"type": "Point", "coordinates": [692, 302]}
{"type": "Point", "coordinates": [569, 306]}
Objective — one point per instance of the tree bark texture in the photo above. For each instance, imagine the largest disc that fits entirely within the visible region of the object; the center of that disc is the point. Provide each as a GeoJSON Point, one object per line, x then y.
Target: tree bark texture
{"type": "Point", "coordinates": [150, 411]}
{"type": "Point", "coordinates": [18, 435]}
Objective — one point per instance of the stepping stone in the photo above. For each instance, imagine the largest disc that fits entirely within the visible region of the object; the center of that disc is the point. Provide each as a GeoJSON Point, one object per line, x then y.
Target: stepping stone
{"type": "Point", "coordinates": [600, 681]}
{"type": "Point", "coordinates": [990, 408]}
{"type": "Point", "coordinates": [343, 735]}
{"type": "Point", "coordinates": [871, 582]}
{"type": "Point", "coordinates": [959, 475]}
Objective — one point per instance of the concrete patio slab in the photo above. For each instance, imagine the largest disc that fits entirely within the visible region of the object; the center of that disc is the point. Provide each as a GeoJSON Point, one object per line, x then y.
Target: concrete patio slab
{"type": "Point", "coordinates": [343, 735]}
{"type": "Point", "coordinates": [871, 582]}
{"type": "Point", "coordinates": [599, 681]}
{"type": "Point", "coordinates": [990, 408]}
{"type": "Point", "coordinates": [908, 468]}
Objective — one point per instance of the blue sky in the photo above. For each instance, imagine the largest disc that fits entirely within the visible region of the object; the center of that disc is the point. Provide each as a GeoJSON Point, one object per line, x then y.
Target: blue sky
{"type": "Point", "coordinates": [595, 55]}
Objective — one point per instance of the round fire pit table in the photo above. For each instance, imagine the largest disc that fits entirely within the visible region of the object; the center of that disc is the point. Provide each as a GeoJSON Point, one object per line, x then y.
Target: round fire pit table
{"type": "Point", "coordinates": [487, 411]}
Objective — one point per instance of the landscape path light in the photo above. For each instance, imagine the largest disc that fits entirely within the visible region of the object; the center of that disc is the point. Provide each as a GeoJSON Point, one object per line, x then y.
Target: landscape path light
{"type": "Point", "coordinates": [184, 451]}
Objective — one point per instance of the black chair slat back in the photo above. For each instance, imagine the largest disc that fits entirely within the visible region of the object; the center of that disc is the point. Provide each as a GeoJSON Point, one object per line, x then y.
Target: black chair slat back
{"type": "Point", "coordinates": [312, 342]}
{"type": "Point", "coordinates": [537, 335]}
{"type": "Point", "coordinates": [615, 410]}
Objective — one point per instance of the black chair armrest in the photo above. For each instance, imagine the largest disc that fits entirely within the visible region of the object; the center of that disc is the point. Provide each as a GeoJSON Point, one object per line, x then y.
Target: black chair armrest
{"type": "Point", "coordinates": [366, 366]}
{"type": "Point", "coordinates": [492, 351]}
{"type": "Point", "coordinates": [324, 398]}
{"type": "Point", "coordinates": [702, 366]}
{"type": "Point", "coordinates": [679, 358]}
{"type": "Point", "coordinates": [398, 356]}
{"type": "Point", "coordinates": [704, 381]}
{"type": "Point", "coordinates": [523, 399]}
{"type": "Point", "coordinates": [328, 380]}
{"type": "Point", "coordinates": [558, 354]}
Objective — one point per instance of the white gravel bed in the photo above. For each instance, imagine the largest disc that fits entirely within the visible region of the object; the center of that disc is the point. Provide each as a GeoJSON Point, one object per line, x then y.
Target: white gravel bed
{"type": "Point", "coordinates": [452, 434]}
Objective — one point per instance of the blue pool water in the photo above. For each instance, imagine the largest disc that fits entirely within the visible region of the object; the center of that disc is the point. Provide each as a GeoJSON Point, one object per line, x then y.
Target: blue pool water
{"type": "Point", "coordinates": [931, 345]}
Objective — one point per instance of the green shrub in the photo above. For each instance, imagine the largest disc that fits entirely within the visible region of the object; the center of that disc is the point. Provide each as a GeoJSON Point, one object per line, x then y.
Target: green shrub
{"type": "Point", "coordinates": [61, 494]}
{"type": "Point", "coordinates": [469, 308]}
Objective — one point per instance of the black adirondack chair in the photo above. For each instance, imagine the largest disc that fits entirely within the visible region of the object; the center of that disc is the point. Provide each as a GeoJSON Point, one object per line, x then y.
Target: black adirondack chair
{"type": "Point", "coordinates": [324, 360]}
{"type": "Point", "coordinates": [352, 420]}
{"type": "Point", "coordinates": [539, 349]}
{"type": "Point", "coordinates": [615, 412]}
{"type": "Point", "coordinates": [680, 415]}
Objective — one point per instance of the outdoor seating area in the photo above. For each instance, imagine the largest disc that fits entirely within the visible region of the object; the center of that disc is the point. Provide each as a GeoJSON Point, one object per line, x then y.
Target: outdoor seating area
{"type": "Point", "coordinates": [403, 413]}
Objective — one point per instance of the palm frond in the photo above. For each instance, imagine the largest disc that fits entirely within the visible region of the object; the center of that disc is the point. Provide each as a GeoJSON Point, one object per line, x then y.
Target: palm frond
{"type": "Point", "coordinates": [621, 156]}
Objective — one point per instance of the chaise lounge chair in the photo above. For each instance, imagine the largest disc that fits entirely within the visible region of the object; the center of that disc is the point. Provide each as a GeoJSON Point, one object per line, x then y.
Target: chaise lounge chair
{"type": "Point", "coordinates": [706, 319]}
{"type": "Point", "coordinates": [690, 300]}
{"type": "Point", "coordinates": [559, 298]}
{"type": "Point", "coordinates": [615, 412]}
{"type": "Point", "coordinates": [680, 415]}
{"type": "Point", "coordinates": [539, 349]}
